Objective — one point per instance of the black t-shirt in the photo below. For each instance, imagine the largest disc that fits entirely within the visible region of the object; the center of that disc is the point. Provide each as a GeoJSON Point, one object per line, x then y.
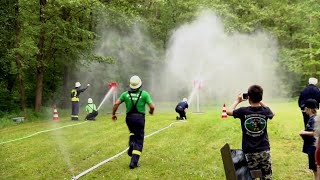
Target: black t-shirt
{"type": "Point", "coordinates": [254, 128]}
{"type": "Point", "coordinates": [309, 141]}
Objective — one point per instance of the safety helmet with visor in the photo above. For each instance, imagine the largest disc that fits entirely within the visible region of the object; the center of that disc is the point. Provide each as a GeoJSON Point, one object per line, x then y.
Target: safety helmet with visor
{"type": "Point", "coordinates": [90, 101]}
{"type": "Point", "coordinates": [135, 82]}
{"type": "Point", "coordinates": [77, 84]}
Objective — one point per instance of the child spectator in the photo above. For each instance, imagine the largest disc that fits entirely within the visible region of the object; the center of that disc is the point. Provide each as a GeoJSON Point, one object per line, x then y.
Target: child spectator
{"type": "Point", "coordinates": [255, 141]}
{"type": "Point", "coordinates": [308, 135]}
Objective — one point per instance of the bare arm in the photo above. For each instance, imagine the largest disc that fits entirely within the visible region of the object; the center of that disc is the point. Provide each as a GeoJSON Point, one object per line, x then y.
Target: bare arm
{"type": "Point", "coordinates": [307, 133]}
{"type": "Point", "coordinates": [114, 109]}
{"type": "Point", "coordinates": [151, 108]}
{"type": "Point", "coordinates": [234, 105]}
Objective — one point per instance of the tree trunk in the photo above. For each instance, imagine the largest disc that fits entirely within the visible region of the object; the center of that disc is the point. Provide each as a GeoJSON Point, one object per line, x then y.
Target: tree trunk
{"type": "Point", "coordinates": [18, 63]}
{"type": "Point", "coordinates": [40, 58]}
{"type": "Point", "coordinates": [65, 90]}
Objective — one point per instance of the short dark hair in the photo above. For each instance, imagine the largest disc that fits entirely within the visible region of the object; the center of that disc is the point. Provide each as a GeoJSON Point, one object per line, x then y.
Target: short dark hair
{"type": "Point", "coordinates": [311, 103]}
{"type": "Point", "coordinates": [255, 93]}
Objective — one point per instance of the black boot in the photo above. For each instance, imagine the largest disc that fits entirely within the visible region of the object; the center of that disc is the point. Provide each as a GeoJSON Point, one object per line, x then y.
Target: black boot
{"type": "Point", "coordinates": [134, 161]}
{"type": "Point", "coordinates": [74, 118]}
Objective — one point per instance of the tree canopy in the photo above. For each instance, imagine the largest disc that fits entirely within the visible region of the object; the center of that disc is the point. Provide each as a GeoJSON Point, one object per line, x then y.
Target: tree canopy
{"type": "Point", "coordinates": [44, 43]}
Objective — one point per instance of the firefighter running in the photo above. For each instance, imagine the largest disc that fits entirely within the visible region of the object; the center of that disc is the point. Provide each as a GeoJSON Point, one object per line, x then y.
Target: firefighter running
{"type": "Point", "coordinates": [135, 100]}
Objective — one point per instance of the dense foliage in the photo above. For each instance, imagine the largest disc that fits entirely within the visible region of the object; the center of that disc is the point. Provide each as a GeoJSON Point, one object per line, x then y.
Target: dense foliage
{"type": "Point", "coordinates": [44, 42]}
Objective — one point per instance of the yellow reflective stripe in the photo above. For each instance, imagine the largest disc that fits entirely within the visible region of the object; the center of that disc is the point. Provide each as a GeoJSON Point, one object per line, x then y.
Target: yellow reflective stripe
{"type": "Point", "coordinates": [131, 134]}
{"type": "Point", "coordinates": [75, 99]}
{"type": "Point", "coordinates": [74, 116]}
{"type": "Point", "coordinates": [74, 91]}
{"type": "Point", "coordinates": [136, 152]}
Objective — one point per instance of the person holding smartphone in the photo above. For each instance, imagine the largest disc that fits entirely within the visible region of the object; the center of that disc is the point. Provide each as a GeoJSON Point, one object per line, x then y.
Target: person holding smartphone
{"type": "Point", "coordinates": [254, 120]}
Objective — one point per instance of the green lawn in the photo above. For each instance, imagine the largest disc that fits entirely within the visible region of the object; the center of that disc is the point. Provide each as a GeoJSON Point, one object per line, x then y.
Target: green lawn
{"type": "Point", "coordinates": [189, 150]}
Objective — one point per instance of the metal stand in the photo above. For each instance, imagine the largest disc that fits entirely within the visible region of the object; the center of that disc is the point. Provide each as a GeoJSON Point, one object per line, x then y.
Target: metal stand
{"type": "Point", "coordinates": [198, 103]}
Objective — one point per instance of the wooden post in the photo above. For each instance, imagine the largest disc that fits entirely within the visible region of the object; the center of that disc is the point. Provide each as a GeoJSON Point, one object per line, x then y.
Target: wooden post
{"type": "Point", "coordinates": [228, 163]}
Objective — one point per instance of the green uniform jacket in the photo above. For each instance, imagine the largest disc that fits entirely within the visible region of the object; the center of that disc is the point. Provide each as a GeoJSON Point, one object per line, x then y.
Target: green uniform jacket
{"type": "Point", "coordinates": [90, 107]}
{"type": "Point", "coordinates": [143, 100]}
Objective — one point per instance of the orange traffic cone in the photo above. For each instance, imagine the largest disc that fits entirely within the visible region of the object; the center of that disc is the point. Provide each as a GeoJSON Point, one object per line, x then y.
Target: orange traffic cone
{"type": "Point", "coordinates": [55, 114]}
{"type": "Point", "coordinates": [224, 111]}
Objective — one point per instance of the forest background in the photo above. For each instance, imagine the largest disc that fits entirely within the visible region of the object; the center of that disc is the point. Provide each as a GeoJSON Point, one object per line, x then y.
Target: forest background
{"type": "Point", "coordinates": [47, 44]}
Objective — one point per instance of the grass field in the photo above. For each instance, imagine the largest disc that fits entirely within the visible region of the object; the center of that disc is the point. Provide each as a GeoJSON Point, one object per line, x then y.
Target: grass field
{"type": "Point", "coordinates": [189, 150]}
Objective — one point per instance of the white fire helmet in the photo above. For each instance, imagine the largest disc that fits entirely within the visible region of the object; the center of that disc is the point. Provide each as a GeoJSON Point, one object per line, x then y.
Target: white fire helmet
{"type": "Point", "coordinates": [184, 99]}
{"type": "Point", "coordinates": [135, 82]}
{"type": "Point", "coordinates": [77, 84]}
{"type": "Point", "coordinates": [313, 80]}
{"type": "Point", "coordinates": [90, 100]}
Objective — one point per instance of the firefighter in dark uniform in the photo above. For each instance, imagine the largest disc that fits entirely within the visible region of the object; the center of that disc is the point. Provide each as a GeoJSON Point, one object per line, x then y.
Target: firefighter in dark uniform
{"type": "Point", "coordinates": [182, 108]}
{"type": "Point", "coordinates": [75, 100]}
{"type": "Point", "coordinates": [135, 100]}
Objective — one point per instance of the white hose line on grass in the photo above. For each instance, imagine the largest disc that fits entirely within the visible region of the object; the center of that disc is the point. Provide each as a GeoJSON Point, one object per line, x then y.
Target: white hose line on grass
{"type": "Point", "coordinates": [117, 155]}
{"type": "Point", "coordinates": [41, 132]}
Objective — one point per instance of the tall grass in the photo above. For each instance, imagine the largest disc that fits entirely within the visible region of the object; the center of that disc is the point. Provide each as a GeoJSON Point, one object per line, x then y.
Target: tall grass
{"type": "Point", "coordinates": [189, 150]}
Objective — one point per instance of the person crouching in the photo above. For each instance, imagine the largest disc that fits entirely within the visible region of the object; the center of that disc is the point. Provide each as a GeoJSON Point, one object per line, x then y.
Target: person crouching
{"type": "Point", "coordinates": [182, 108]}
{"type": "Point", "coordinates": [91, 110]}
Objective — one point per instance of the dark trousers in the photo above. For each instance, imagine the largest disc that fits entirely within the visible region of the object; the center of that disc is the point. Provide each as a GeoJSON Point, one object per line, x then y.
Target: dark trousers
{"type": "Point", "coordinates": [75, 110]}
{"type": "Point", "coordinates": [306, 118]}
{"type": "Point", "coordinates": [92, 116]}
{"type": "Point", "coordinates": [136, 123]}
{"type": "Point", "coordinates": [181, 112]}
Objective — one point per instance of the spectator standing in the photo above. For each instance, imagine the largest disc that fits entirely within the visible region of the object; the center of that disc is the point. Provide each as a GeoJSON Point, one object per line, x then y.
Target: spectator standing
{"type": "Point", "coordinates": [311, 91]}
{"type": "Point", "coordinates": [254, 120]}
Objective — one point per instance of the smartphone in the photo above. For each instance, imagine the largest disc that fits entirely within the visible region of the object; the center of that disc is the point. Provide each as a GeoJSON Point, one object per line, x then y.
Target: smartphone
{"type": "Point", "coordinates": [244, 95]}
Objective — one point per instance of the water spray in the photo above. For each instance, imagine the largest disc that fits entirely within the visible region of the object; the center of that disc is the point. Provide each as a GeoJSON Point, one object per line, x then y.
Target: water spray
{"type": "Point", "coordinates": [113, 91]}
{"type": "Point", "coordinates": [197, 85]}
